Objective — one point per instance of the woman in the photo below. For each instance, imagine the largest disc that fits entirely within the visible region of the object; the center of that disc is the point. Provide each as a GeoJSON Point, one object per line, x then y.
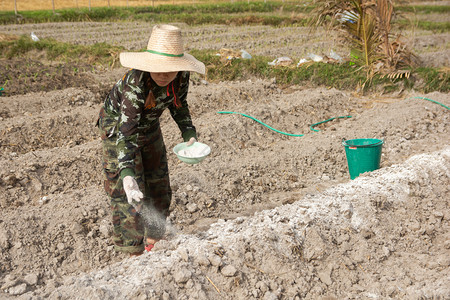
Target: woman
{"type": "Point", "coordinates": [134, 154]}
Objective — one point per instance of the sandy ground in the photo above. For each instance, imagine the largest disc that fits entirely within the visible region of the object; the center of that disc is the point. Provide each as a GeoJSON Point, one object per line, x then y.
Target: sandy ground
{"type": "Point", "coordinates": [265, 216]}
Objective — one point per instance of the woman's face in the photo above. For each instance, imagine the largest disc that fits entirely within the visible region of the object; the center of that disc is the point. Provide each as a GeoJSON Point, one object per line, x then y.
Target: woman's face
{"type": "Point", "coordinates": [163, 79]}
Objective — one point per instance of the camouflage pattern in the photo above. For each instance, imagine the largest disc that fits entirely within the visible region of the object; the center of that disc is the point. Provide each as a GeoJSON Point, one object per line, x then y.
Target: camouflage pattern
{"type": "Point", "coordinates": [126, 114]}
{"type": "Point", "coordinates": [132, 141]}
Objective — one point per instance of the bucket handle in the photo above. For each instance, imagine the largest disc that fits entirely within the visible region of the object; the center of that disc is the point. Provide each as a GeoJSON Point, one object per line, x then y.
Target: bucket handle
{"type": "Point", "coordinates": [362, 146]}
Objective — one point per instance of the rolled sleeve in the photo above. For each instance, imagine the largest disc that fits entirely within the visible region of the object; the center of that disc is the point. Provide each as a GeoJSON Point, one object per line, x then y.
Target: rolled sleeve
{"type": "Point", "coordinates": [132, 103]}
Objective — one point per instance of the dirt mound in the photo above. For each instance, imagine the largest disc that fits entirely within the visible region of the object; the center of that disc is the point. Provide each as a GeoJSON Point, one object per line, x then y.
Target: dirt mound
{"type": "Point", "coordinates": [339, 243]}
{"type": "Point", "coordinates": [21, 76]}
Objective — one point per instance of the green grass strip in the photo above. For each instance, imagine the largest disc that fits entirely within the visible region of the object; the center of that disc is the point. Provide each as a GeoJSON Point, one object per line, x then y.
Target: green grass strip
{"type": "Point", "coordinates": [423, 9]}
{"type": "Point", "coordinates": [161, 13]}
{"type": "Point", "coordinates": [339, 76]}
{"type": "Point", "coordinates": [436, 27]}
{"type": "Point", "coordinates": [434, 79]}
{"type": "Point", "coordinates": [100, 53]}
{"type": "Point", "coordinates": [238, 13]}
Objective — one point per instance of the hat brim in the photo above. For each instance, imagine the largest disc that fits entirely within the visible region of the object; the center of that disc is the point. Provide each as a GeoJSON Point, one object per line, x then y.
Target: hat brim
{"type": "Point", "coordinates": [150, 62]}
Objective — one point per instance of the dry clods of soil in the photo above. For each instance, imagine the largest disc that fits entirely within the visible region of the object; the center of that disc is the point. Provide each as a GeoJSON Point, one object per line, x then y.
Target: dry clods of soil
{"type": "Point", "coordinates": [264, 216]}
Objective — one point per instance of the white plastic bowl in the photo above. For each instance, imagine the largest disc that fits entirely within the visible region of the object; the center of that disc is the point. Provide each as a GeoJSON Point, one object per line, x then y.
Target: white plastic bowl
{"type": "Point", "coordinates": [192, 154]}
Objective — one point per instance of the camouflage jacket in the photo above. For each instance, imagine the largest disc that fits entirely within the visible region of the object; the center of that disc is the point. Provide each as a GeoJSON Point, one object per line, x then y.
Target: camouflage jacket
{"type": "Point", "coordinates": [133, 107]}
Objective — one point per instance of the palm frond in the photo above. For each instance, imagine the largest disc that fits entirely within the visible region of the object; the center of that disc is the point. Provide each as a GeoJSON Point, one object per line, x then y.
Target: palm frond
{"type": "Point", "coordinates": [397, 74]}
{"type": "Point", "coordinates": [367, 27]}
{"type": "Point", "coordinates": [362, 27]}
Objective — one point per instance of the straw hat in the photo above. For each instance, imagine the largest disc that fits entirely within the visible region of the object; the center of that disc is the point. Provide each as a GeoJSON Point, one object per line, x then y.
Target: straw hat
{"type": "Point", "coordinates": [164, 53]}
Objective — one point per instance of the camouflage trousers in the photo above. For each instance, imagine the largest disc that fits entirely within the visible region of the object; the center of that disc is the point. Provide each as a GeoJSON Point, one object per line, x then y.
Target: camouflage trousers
{"type": "Point", "coordinates": [133, 225]}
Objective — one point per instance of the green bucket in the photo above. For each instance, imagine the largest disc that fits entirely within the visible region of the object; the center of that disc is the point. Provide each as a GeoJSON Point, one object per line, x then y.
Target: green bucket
{"type": "Point", "coordinates": [363, 155]}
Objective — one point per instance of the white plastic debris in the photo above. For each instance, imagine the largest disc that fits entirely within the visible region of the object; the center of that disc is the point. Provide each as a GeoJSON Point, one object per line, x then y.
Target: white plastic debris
{"type": "Point", "coordinates": [315, 57]}
{"type": "Point", "coordinates": [302, 61]}
{"type": "Point", "coordinates": [34, 37]}
{"type": "Point", "coordinates": [245, 54]}
{"type": "Point", "coordinates": [284, 61]}
{"type": "Point", "coordinates": [335, 56]}
{"type": "Point", "coordinates": [347, 16]}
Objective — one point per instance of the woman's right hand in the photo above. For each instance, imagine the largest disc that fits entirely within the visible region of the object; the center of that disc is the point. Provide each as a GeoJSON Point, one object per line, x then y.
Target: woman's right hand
{"type": "Point", "coordinates": [191, 141]}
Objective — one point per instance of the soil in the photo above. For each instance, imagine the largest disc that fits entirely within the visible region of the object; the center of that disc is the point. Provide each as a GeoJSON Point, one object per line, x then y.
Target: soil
{"type": "Point", "coordinates": [265, 216]}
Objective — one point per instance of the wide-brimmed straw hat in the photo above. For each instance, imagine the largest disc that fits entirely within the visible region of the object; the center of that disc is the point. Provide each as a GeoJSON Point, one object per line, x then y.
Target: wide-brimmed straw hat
{"type": "Point", "coordinates": [164, 53]}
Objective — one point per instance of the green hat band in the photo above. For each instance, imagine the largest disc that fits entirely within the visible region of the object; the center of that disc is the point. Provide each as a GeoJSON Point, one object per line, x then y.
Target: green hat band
{"type": "Point", "coordinates": [165, 54]}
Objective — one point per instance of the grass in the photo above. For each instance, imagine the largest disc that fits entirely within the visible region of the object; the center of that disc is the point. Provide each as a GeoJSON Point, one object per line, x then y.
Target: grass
{"type": "Point", "coordinates": [273, 13]}
{"type": "Point", "coordinates": [198, 14]}
{"type": "Point", "coordinates": [424, 9]}
{"type": "Point", "coordinates": [99, 53]}
{"type": "Point", "coordinates": [207, 18]}
{"type": "Point", "coordinates": [434, 79]}
{"type": "Point", "coordinates": [339, 76]}
{"type": "Point", "coordinates": [26, 5]}
{"type": "Point", "coordinates": [436, 27]}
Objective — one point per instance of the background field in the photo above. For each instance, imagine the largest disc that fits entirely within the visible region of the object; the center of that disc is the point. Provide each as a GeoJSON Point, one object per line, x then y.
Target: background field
{"type": "Point", "coordinates": [8, 5]}
{"type": "Point", "coordinates": [266, 215]}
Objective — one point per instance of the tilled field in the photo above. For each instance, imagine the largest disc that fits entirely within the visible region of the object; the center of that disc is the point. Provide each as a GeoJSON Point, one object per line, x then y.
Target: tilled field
{"type": "Point", "coordinates": [266, 216]}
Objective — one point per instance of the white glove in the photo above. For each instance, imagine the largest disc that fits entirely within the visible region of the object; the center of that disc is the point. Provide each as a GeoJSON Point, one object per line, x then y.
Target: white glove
{"type": "Point", "coordinates": [191, 141]}
{"type": "Point", "coordinates": [132, 190]}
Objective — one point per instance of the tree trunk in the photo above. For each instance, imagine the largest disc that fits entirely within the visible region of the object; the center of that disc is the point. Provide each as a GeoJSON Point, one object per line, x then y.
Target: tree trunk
{"type": "Point", "coordinates": [385, 9]}
{"type": "Point", "coordinates": [15, 7]}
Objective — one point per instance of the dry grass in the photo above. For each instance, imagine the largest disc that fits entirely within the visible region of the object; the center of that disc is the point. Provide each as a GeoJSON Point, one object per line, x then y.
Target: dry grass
{"type": "Point", "coordinates": [8, 37]}
{"type": "Point", "coordinates": [8, 5]}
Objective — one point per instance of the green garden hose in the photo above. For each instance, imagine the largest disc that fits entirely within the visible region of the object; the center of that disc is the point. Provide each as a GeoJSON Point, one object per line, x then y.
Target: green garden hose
{"type": "Point", "coordinates": [318, 123]}
{"type": "Point", "coordinates": [423, 98]}
{"type": "Point", "coordinates": [315, 124]}
{"type": "Point", "coordinates": [271, 128]}
{"type": "Point", "coordinates": [285, 133]}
